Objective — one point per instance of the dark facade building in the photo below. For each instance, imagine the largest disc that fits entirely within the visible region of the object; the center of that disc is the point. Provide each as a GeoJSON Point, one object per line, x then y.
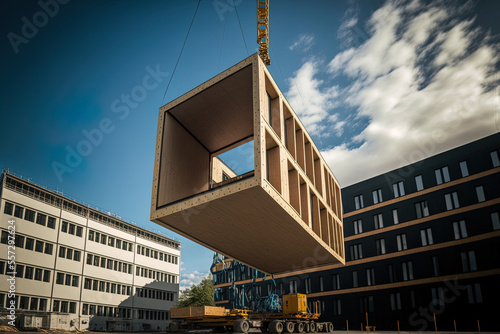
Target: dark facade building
{"type": "Point", "coordinates": [422, 247]}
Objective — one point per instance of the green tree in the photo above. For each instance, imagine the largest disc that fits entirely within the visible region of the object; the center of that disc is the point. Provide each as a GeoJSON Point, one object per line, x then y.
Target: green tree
{"type": "Point", "coordinates": [198, 295]}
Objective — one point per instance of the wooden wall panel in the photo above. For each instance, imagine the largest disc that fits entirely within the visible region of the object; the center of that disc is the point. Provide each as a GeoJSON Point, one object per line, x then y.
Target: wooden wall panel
{"type": "Point", "coordinates": [185, 164]}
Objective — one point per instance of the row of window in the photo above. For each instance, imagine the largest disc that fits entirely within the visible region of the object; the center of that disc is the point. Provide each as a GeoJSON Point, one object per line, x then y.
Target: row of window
{"type": "Point", "coordinates": [67, 279]}
{"type": "Point", "coordinates": [110, 241]}
{"type": "Point", "coordinates": [28, 272]}
{"type": "Point", "coordinates": [442, 176]}
{"type": "Point", "coordinates": [367, 304]}
{"type": "Point", "coordinates": [102, 286]}
{"type": "Point", "coordinates": [157, 255]}
{"type": "Point", "coordinates": [28, 243]}
{"type": "Point", "coordinates": [106, 311]}
{"type": "Point", "coordinates": [157, 275]}
{"type": "Point", "coordinates": [406, 274]}
{"type": "Point", "coordinates": [24, 302]}
{"type": "Point", "coordinates": [63, 306]}
{"type": "Point", "coordinates": [71, 228]}
{"type": "Point", "coordinates": [459, 232]}
{"type": "Point", "coordinates": [121, 312]}
{"type": "Point", "coordinates": [29, 215]}
{"type": "Point", "coordinates": [422, 210]}
{"type": "Point", "coordinates": [69, 253]}
{"type": "Point", "coordinates": [154, 294]}
{"type": "Point", "coordinates": [103, 262]}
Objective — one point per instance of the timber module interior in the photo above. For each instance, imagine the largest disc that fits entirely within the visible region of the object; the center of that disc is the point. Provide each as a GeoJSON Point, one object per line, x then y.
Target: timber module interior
{"type": "Point", "coordinates": [280, 214]}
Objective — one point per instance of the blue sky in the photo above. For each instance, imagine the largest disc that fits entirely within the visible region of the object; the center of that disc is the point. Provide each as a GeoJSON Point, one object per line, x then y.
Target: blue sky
{"type": "Point", "coordinates": [377, 84]}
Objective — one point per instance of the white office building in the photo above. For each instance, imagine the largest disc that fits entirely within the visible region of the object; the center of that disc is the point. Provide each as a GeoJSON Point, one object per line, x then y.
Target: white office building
{"type": "Point", "coordinates": [79, 268]}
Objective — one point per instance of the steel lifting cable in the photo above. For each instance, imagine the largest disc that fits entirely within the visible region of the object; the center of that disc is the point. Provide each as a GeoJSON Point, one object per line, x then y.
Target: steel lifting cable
{"type": "Point", "coordinates": [241, 29]}
{"type": "Point", "coordinates": [182, 49]}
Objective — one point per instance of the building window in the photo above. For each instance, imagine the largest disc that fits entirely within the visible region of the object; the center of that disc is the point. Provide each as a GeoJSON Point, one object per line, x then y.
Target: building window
{"type": "Point", "coordinates": [426, 236]}
{"type": "Point", "coordinates": [19, 241]}
{"type": "Point", "coordinates": [358, 202]}
{"type": "Point", "coordinates": [377, 196]}
{"type": "Point", "coordinates": [390, 270]}
{"type": "Point", "coordinates": [480, 194]}
{"type": "Point", "coordinates": [459, 230]}
{"type": "Point", "coordinates": [435, 265]}
{"type": "Point", "coordinates": [335, 282]}
{"type": "Point", "coordinates": [30, 243]}
{"type": "Point", "coordinates": [79, 231]}
{"type": "Point", "coordinates": [307, 283]}
{"type": "Point", "coordinates": [18, 211]}
{"type": "Point", "coordinates": [422, 210]}
{"type": "Point", "coordinates": [399, 189]}
{"type": "Point", "coordinates": [34, 304]}
{"type": "Point", "coordinates": [41, 219]}
{"type": "Point", "coordinates": [355, 279]}
{"type": "Point", "coordinates": [474, 293]}
{"type": "Point", "coordinates": [395, 301]}
{"type": "Point", "coordinates": [64, 228]}
{"type": "Point", "coordinates": [407, 268]}
{"type": "Point", "coordinates": [442, 175]}
{"type": "Point", "coordinates": [495, 221]}
{"type": "Point", "coordinates": [358, 226]}
{"type": "Point", "coordinates": [356, 252]}
{"type": "Point", "coordinates": [380, 246]}
{"type": "Point", "coordinates": [468, 261]}
{"type": "Point", "coordinates": [28, 273]}
{"type": "Point", "coordinates": [29, 215]}
{"type": "Point", "coordinates": [60, 278]}
{"type": "Point", "coordinates": [395, 217]}
{"type": "Point", "coordinates": [401, 241]}
{"type": "Point", "coordinates": [451, 200]}
{"type": "Point", "coordinates": [366, 304]}
{"type": "Point", "coordinates": [463, 168]}
{"type": "Point", "coordinates": [337, 309]}
{"type": "Point", "coordinates": [437, 296]}
{"type": "Point", "coordinates": [62, 251]}
{"type": "Point", "coordinates": [378, 221]}
{"type": "Point", "coordinates": [38, 274]}
{"type": "Point", "coordinates": [293, 287]}
{"type": "Point", "coordinates": [24, 303]}
{"type": "Point", "coordinates": [46, 276]}
{"type": "Point", "coordinates": [48, 248]}
{"type": "Point", "coordinates": [494, 158]}
{"type": "Point", "coordinates": [39, 246]}
{"type": "Point", "coordinates": [370, 276]}
{"type": "Point", "coordinates": [64, 306]}
{"type": "Point", "coordinates": [9, 208]}
{"type": "Point", "coordinates": [51, 223]}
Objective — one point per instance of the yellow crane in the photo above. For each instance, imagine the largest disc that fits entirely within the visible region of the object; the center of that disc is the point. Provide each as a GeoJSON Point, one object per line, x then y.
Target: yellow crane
{"type": "Point", "coordinates": [263, 30]}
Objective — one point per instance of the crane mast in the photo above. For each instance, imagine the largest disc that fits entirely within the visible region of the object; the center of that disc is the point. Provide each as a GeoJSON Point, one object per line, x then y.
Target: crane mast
{"type": "Point", "coordinates": [263, 30]}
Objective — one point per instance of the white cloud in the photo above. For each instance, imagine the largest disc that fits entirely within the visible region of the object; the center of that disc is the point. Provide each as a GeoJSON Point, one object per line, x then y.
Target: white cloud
{"type": "Point", "coordinates": [191, 278]}
{"type": "Point", "coordinates": [303, 43]}
{"type": "Point", "coordinates": [417, 81]}
{"type": "Point", "coordinates": [309, 101]}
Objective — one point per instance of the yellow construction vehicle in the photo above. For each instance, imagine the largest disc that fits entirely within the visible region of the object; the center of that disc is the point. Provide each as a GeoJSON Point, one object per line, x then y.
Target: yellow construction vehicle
{"type": "Point", "coordinates": [294, 318]}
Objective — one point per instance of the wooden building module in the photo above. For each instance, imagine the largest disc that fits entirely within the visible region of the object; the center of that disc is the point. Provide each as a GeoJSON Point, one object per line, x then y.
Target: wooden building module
{"type": "Point", "coordinates": [282, 214]}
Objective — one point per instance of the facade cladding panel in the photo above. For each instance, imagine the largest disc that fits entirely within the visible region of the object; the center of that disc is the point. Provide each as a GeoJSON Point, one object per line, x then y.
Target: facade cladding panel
{"type": "Point", "coordinates": [79, 268]}
{"type": "Point", "coordinates": [441, 241]}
